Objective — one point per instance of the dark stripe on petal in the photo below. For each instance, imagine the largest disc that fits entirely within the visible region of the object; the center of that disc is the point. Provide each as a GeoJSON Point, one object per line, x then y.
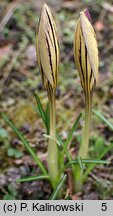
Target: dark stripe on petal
{"type": "Point", "coordinates": [50, 59]}
{"type": "Point", "coordinates": [80, 60]}
{"type": "Point", "coordinates": [86, 62]}
{"type": "Point", "coordinates": [50, 38]}
{"type": "Point", "coordinates": [53, 38]}
{"type": "Point", "coordinates": [42, 72]}
{"type": "Point", "coordinates": [91, 75]}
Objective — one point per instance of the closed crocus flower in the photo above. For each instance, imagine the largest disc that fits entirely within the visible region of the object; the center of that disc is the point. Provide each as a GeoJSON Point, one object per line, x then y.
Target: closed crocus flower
{"type": "Point", "coordinates": [87, 62]}
{"type": "Point", "coordinates": [86, 51]}
{"type": "Point", "coordinates": [47, 48]}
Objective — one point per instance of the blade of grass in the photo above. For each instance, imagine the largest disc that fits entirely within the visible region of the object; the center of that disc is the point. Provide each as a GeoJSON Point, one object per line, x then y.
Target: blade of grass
{"type": "Point", "coordinates": [61, 144]}
{"type": "Point", "coordinates": [58, 188]}
{"type": "Point", "coordinates": [71, 133]}
{"type": "Point", "coordinates": [40, 108]}
{"type": "Point", "coordinates": [68, 197]}
{"type": "Point", "coordinates": [106, 150]}
{"type": "Point", "coordinates": [66, 143]}
{"type": "Point", "coordinates": [69, 157]}
{"type": "Point", "coordinates": [103, 119]}
{"type": "Point", "coordinates": [33, 178]}
{"type": "Point", "coordinates": [87, 161]}
{"type": "Point", "coordinates": [80, 163]}
{"type": "Point", "coordinates": [59, 141]}
{"type": "Point", "coordinates": [91, 167]}
{"type": "Point", "coordinates": [25, 142]}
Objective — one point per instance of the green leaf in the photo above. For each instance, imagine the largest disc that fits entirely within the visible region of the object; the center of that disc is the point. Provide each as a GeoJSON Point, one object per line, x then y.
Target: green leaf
{"type": "Point", "coordinates": [33, 178]}
{"type": "Point", "coordinates": [58, 188]}
{"type": "Point", "coordinates": [61, 144]}
{"type": "Point", "coordinates": [71, 133]}
{"type": "Point", "coordinates": [66, 143]}
{"type": "Point", "coordinates": [103, 119]}
{"type": "Point", "coordinates": [61, 154]}
{"type": "Point", "coordinates": [12, 189]}
{"type": "Point", "coordinates": [8, 197]}
{"type": "Point", "coordinates": [3, 134]}
{"type": "Point", "coordinates": [88, 161]}
{"type": "Point", "coordinates": [68, 197]}
{"type": "Point", "coordinates": [25, 142]}
{"type": "Point", "coordinates": [59, 141]}
{"type": "Point", "coordinates": [103, 153]}
{"type": "Point", "coordinates": [80, 163]}
{"type": "Point", "coordinates": [105, 150]}
{"type": "Point", "coordinates": [40, 108]}
{"type": "Point", "coordinates": [14, 153]}
{"type": "Point", "coordinates": [99, 145]}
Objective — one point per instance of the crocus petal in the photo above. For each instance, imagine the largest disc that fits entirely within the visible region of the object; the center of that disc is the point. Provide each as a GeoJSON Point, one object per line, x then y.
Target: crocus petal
{"type": "Point", "coordinates": [47, 48]}
{"type": "Point", "coordinates": [91, 44]}
{"type": "Point", "coordinates": [86, 52]}
{"type": "Point", "coordinates": [77, 52]}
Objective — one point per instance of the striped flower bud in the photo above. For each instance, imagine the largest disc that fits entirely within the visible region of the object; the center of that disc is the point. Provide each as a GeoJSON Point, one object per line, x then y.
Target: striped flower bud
{"type": "Point", "coordinates": [47, 48]}
{"type": "Point", "coordinates": [86, 51]}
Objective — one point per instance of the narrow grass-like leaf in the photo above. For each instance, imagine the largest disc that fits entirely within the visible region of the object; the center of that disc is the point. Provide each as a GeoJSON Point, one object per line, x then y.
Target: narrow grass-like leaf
{"type": "Point", "coordinates": [25, 142]}
{"type": "Point", "coordinates": [58, 188]}
{"type": "Point", "coordinates": [103, 153]}
{"type": "Point", "coordinates": [40, 108]}
{"type": "Point", "coordinates": [71, 133]}
{"type": "Point", "coordinates": [61, 144]}
{"type": "Point", "coordinates": [103, 119]}
{"type": "Point", "coordinates": [61, 154]}
{"type": "Point", "coordinates": [68, 198]}
{"type": "Point", "coordinates": [33, 178]}
{"type": "Point", "coordinates": [80, 163]}
{"type": "Point", "coordinates": [87, 161]}
{"type": "Point", "coordinates": [59, 141]}
{"type": "Point", "coordinates": [106, 150]}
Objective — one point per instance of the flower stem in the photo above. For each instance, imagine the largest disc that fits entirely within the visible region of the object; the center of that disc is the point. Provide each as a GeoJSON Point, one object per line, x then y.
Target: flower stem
{"type": "Point", "coordinates": [52, 145]}
{"type": "Point", "coordinates": [85, 139]}
{"type": "Point", "coordinates": [85, 136]}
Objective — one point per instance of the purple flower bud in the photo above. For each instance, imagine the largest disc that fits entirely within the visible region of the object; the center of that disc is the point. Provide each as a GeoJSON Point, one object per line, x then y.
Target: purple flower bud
{"type": "Point", "coordinates": [87, 14]}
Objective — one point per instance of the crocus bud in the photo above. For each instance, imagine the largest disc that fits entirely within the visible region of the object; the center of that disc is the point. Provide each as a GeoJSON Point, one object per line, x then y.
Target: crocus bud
{"type": "Point", "coordinates": [86, 51]}
{"type": "Point", "coordinates": [47, 48]}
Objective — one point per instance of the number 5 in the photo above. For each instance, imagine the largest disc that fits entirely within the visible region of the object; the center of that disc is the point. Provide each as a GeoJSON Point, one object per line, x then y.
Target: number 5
{"type": "Point", "coordinates": [104, 207]}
